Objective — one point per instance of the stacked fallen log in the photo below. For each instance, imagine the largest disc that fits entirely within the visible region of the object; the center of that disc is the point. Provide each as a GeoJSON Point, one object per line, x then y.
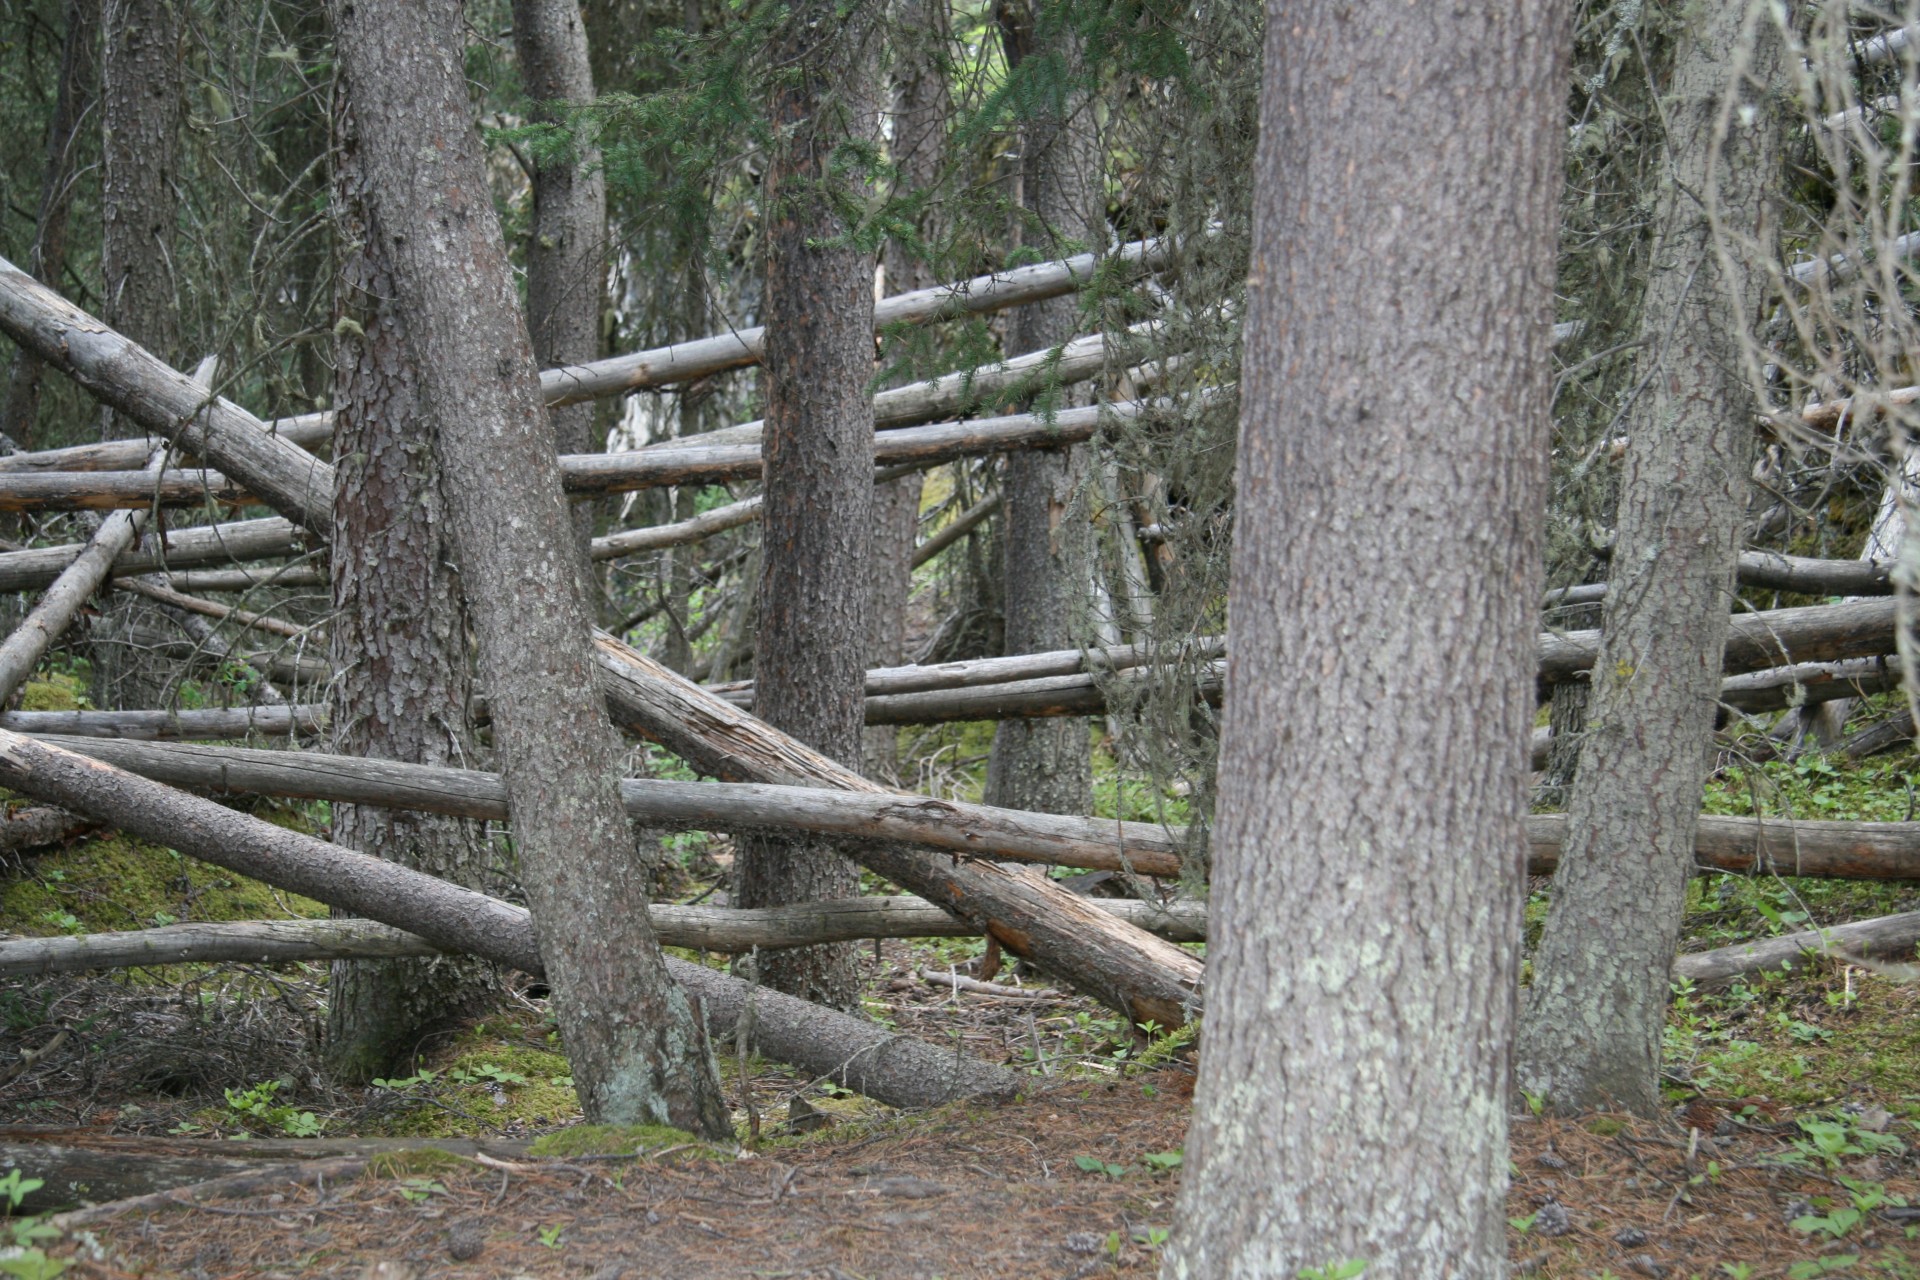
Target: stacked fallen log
{"type": "Point", "coordinates": [850, 1051]}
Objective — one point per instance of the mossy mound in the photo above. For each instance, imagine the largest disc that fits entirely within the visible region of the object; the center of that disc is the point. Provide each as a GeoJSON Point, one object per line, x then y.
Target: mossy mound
{"type": "Point", "coordinates": [117, 882]}
{"type": "Point", "coordinates": [611, 1140]}
{"type": "Point", "coordinates": [484, 1084]}
{"type": "Point", "coordinates": [53, 693]}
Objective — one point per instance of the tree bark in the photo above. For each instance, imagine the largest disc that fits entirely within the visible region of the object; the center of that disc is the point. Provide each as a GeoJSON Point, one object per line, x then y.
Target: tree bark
{"type": "Point", "coordinates": [893, 1069]}
{"type": "Point", "coordinates": [1591, 1035]}
{"type": "Point", "coordinates": [47, 254]}
{"type": "Point", "coordinates": [1047, 765]}
{"type": "Point", "coordinates": [398, 636]}
{"type": "Point", "coordinates": [1352, 1097]}
{"type": "Point", "coordinates": [141, 109]}
{"type": "Point", "coordinates": [567, 247]}
{"type": "Point", "coordinates": [637, 1049]}
{"type": "Point", "coordinates": [816, 516]}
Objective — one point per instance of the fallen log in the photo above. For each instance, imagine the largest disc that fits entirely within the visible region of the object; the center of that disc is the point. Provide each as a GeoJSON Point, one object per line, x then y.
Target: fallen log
{"type": "Point", "coordinates": [1866, 407]}
{"type": "Point", "coordinates": [952, 826]}
{"type": "Point", "coordinates": [217, 723]}
{"type": "Point", "coordinates": [1776, 637]}
{"type": "Point", "coordinates": [196, 548]}
{"type": "Point", "coordinates": [1807, 683]}
{"type": "Point", "coordinates": [963, 524]}
{"type": "Point", "coordinates": [124, 376]}
{"type": "Point", "coordinates": [38, 827]}
{"type": "Point", "coordinates": [116, 490]}
{"type": "Point", "coordinates": [288, 576]}
{"type": "Point", "coordinates": [727, 930]}
{"type": "Point", "coordinates": [1771, 571]}
{"type": "Point", "coordinates": [1145, 978]}
{"type": "Point", "coordinates": [1884, 938]}
{"type": "Point", "coordinates": [857, 1054]}
{"type": "Point", "coordinates": [1771, 846]}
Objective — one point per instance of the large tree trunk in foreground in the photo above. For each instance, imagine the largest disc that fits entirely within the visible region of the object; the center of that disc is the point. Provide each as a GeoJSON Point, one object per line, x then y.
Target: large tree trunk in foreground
{"type": "Point", "coordinates": [567, 245]}
{"type": "Point", "coordinates": [47, 254]}
{"type": "Point", "coordinates": [1592, 1031]}
{"type": "Point", "coordinates": [636, 1046]}
{"type": "Point", "coordinates": [864, 1057]}
{"type": "Point", "coordinates": [1142, 977]}
{"type": "Point", "coordinates": [399, 641]}
{"type": "Point", "coordinates": [816, 519]}
{"type": "Point", "coordinates": [1353, 1093]}
{"type": "Point", "coordinates": [1047, 764]}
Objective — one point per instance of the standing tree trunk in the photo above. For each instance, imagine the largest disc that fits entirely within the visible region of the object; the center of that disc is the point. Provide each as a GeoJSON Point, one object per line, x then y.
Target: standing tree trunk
{"type": "Point", "coordinates": [1044, 765]}
{"type": "Point", "coordinates": [566, 253]}
{"type": "Point", "coordinates": [399, 640]}
{"type": "Point", "coordinates": [47, 255]}
{"type": "Point", "coordinates": [1367, 862]}
{"type": "Point", "coordinates": [810, 641]}
{"type": "Point", "coordinates": [1591, 1036]}
{"type": "Point", "coordinates": [140, 117]}
{"type": "Point", "coordinates": [921, 51]}
{"type": "Point", "coordinates": [637, 1047]}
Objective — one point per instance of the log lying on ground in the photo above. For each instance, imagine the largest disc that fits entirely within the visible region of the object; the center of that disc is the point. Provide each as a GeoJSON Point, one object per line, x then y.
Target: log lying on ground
{"type": "Point", "coordinates": [116, 490]}
{"type": "Point", "coordinates": [1827, 416]}
{"type": "Point", "coordinates": [219, 544]}
{"type": "Point", "coordinates": [1095, 844]}
{"type": "Point", "coordinates": [721, 929]}
{"type": "Point", "coordinates": [126, 377]}
{"type": "Point", "coordinates": [963, 524]}
{"type": "Point", "coordinates": [1772, 571]}
{"type": "Point", "coordinates": [859, 1055]}
{"type": "Point", "coordinates": [288, 576]}
{"type": "Point", "coordinates": [1884, 938]}
{"type": "Point", "coordinates": [39, 827]}
{"type": "Point", "coordinates": [1777, 637]}
{"type": "Point", "coordinates": [212, 724]}
{"type": "Point", "coordinates": [1771, 846]}
{"type": "Point", "coordinates": [1145, 978]}
{"type": "Point", "coordinates": [1774, 688]}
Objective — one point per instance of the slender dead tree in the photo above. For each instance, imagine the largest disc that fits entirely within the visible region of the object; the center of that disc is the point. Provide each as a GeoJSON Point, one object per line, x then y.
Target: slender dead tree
{"type": "Point", "coordinates": [1045, 765]}
{"type": "Point", "coordinates": [637, 1047]}
{"type": "Point", "coordinates": [567, 249]}
{"type": "Point", "coordinates": [404, 677]}
{"type": "Point", "coordinates": [47, 254]}
{"type": "Point", "coordinates": [1591, 1036]}
{"type": "Point", "coordinates": [1367, 864]}
{"type": "Point", "coordinates": [811, 638]}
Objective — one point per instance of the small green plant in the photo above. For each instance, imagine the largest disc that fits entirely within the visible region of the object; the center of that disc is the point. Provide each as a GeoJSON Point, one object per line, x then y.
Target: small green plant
{"type": "Point", "coordinates": [420, 1190]}
{"type": "Point", "coordinates": [1863, 1198]}
{"type": "Point", "coordinates": [552, 1237]}
{"type": "Point", "coordinates": [1738, 1270]}
{"type": "Point", "coordinates": [1816, 1267]}
{"type": "Point", "coordinates": [1523, 1225]}
{"type": "Point", "coordinates": [423, 1076]}
{"type": "Point", "coordinates": [1162, 1161]}
{"type": "Point", "coordinates": [260, 1103]}
{"type": "Point", "coordinates": [1833, 1140]}
{"type": "Point", "coordinates": [1334, 1270]}
{"type": "Point", "coordinates": [26, 1260]}
{"type": "Point", "coordinates": [488, 1073]}
{"type": "Point", "coordinates": [1093, 1164]}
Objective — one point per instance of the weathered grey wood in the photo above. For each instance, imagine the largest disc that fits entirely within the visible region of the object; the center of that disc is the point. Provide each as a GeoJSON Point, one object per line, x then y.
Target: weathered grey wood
{"type": "Point", "coordinates": [1806, 576]}
{"type": "Point", "coordinates": [1884, 938]}
{"type": "Point", "coordinates": [729, 930]}
{"type": "Point", "coordinates": [155, 590]}
{"type": "Point", "coordinates": [114, 490]}
{"type": "Point", "coordinates": [288, 576]}
{"type": "Point", "coordinates": [131, 380]}
{"type": "Point", "coordinates": [1806, 683]}
{"type": "Point", "coordinates": [659, 537]}
{"type": "Point", "coordinates": [952, 826]}
{"type": "Point", "coordinates": [893, 1069]}
{"type": "Point", "coordinates": [963, 524]}
{"type": "Point", "coordinates": [1777, 637]}
{"type": "Point", "coordinates": [218, 544]}
{"type": "Point", "coordinates": [1143, 977]}
{"type": "Point", "coordinates": [38, 827]}
{"type": "Point", "coordinates": [171, 726]}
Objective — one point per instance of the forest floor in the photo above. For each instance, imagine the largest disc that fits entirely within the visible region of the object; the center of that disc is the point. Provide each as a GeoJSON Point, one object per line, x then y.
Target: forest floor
{"type": "Point", "coordinates": [1788, 1148]}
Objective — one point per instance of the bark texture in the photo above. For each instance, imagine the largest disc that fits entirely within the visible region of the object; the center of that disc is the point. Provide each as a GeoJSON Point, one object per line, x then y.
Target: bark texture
{"type": "Point", "coordinates": [141, 109]}
{"type": "Point", "coordinates": [1591, 1036]}
{"type": "Point", "coordinates": [637, 1049]}
{"type": "Point", "coordinates": [47, 254]}
{"type": "Point", "coordinates": [817, 516]}
{"type": "Point", "coordinates": [399, 640]}
{"type": "Point", "coordinates": [1366, 862]}
{"type": "Point", "coordinates": [1046, 765]}
{"type": "Point", "coordinates": [566, 255]}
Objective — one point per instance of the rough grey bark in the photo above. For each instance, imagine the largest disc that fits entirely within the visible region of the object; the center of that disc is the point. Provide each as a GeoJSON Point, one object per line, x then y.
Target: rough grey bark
{"type": "Point", "coordinates": [921, 104]}
{"type": "Point", "coordinates": [141, 108]}
{"type": "Point", "coordinates": [566, 252]}
{"type": "Point", "coordinates": [47, 254]}
{"type": "Point", "coordinates": [1046, 765]}
{"type": "Point", "coordinates": [399, 641]}
{"type": "Point", "coordinates": [1591, 1035]}
{"type": "Point", "coordinates": [1366, 862]}
{"type": "Point", "coordinates": [817, 515]}
{"type": "Point", "coordinates": [636, 1046]}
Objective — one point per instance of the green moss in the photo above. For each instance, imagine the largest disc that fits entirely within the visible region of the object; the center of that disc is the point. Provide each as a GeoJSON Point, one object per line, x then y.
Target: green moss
{"type": "Point", "coordinates": [121, 883]}
{"type": "Point", "coordinates": [418, 1162]}
{"type": "Point", "coordinates": [53, 693]}
{"type": "Point", "coordinates": [1605, 1126]}
{"type": "Point", "coordinates": [487, 1083]}
{"type": "Point", "coordinates": [610, 1140]}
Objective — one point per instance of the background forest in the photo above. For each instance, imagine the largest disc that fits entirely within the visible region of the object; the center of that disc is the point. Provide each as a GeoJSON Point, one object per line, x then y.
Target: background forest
{"type": "Point", "coordinates": [889, 357]}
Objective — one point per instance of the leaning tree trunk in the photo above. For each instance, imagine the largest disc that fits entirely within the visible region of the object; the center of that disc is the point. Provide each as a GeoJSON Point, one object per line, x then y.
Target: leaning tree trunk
{"type": "Point", "coordinates": [810, 636]}
{"type": "Point", "coordinates": [921, 104]}
{"type": "Point", "coordinates": [1352, 1099]}
{"type": "Point", "coordinates": [47, 254]}
{"type": "Point", "coordinates": [399, 638]}
{"type": "Point", "coordinates": [1591, 1036]}
{"type": "Point", "coordinates": [567, 247]}
{"type": "Point", "coordinates": [1045, 764]}
{"type": "Point", "coordinates": [635, 1043]}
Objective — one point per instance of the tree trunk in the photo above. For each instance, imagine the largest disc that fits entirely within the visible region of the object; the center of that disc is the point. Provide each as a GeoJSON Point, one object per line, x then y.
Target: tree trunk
{"type": "Point", "coordinates": [817, 513]}
{"type": "Point", "coordinates": [567, 246]}
{"type": "Point", "coordinates": [1352, 1097]}
{"type": "Point", "coordinates": [399, 640]}
{"type": "Point", "coordinates": [141, 107]}
{"type": "Point", "coordinates": [1047, 765]}
{"type": "Point", "coordinates": [47, 255]}
{"type": "Point", "coordinates": [636, 1046]}
{"type": "Point", "coordinates": [1591, 1035]}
